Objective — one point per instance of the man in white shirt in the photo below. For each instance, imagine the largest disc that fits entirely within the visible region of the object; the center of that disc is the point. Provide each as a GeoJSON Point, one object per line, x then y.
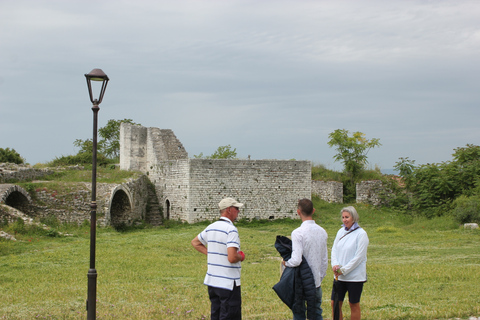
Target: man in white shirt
{"type": "Point", "coordinates": [310, 240]}
{"type": "Point", "coordinates": [221, 243]}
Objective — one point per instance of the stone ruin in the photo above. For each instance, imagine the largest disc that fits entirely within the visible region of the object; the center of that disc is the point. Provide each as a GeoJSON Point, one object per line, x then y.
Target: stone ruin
{"type": "Point", "coordinates": [173, 186]}
{"type": "Point", "coordinates": [189, 189]}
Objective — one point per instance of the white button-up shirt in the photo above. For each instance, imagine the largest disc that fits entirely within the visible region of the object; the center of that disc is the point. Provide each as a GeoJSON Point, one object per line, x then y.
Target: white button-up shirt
{"type": "Point", "coordinates": [310, 240]}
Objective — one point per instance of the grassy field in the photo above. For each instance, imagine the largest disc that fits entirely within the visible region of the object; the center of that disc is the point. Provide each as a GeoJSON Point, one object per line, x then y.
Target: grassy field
{"type": "Point", "coordinates": [417, 268]}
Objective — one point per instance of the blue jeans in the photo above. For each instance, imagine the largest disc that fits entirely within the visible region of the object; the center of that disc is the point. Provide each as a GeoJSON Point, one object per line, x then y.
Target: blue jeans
{"type": "Point", "coordinates": [318, 307]}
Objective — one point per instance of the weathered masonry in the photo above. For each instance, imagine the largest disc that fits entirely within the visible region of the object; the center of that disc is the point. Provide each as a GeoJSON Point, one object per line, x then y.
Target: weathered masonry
{"type": "Point", "coordinates": [330, 191]}
{"type": "Point", "coordinates": [118, 204]}
{"type": "Point", "coordinates": [190, 189]}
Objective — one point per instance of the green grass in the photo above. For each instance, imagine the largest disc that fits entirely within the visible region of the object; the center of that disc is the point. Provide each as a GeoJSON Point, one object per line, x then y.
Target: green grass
{"type": "Point", "coordinates": [104, 174]}
{"type": "Point", "coordinates": [417, 268]}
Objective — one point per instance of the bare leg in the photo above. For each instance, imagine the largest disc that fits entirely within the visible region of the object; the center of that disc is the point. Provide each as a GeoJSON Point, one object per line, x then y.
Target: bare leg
{"type": "Point", "coordinates": [355, 311]}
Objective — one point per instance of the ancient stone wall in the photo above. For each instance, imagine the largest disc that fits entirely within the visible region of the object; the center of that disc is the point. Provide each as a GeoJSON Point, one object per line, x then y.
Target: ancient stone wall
{"type": "Point", "coordinates": [67, 206]}
{"type": "Point", "coordinates": [133, 147]}
{"type": "Point", "coordinates": [270, 189]}
{"type": "Point", "coordinates": [10, 171]}
{"type": "Point", "coordinates": [369, 192]}
{"type": "Point", "coordinates": [116, 203]}
{"type": "Point", "coordinates": [190, 189]}
{"type": "Point", "coordinates": [162, 144]}
{"type": "Point", "coordinates": [330, 191]}
{"type": "Point", "coordinates": [171, 180]}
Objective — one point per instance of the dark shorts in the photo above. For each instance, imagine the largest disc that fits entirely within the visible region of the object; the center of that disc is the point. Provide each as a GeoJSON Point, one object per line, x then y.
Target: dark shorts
{"type": "Point", "coordinates": [354, 290]}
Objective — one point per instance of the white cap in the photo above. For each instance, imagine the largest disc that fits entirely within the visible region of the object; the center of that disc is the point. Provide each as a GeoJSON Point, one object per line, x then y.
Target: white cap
{"type": "Point", "coordinates": [229, 202]}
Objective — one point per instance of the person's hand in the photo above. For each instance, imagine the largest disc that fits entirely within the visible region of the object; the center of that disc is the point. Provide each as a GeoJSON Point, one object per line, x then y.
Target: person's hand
{"type": "Point", "coordinates": [242, 255]}
{"type": "Point", "coordinates": [336, 270]}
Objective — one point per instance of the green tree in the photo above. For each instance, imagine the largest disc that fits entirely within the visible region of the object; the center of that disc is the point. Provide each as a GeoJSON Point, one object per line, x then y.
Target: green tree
{"type": "Point", "coordinates": [352, 150]}
{"type": "Point", "coordinates": [11, 156]}
{"type": "Point", "coordinates": [110, 134]}
{"type": "Point", "coordinates": [406, 169]}
{"type": "Point", "coordinates": [109, 142]}
{"type": "Point", "coordinates": [222, 152]}
{"type": "Point", "coordinates": [86, 146]}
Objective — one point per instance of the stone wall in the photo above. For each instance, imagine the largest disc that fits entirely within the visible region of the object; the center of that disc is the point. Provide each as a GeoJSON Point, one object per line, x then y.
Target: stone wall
{"type": "Point", "coordinates": [141, 147]}
{"type": "Point", "coordinates": [369, 192]}
{"type": "Point", "coordinates": [133, 147]}
{"type": "Point", "coordinates": [117, 204]}
{"type": "Point", "coordinates": [11, 171]}
{"type": "Point", "coordinates": [270, 189]}
{"type": "Point", "coordinates": [171, 180]}
{"type": "Point", "coordinates": [190, 189]}
{"type": "Point", "coordinates": [72, 206]}
{"type": "Point", "coordinates": [330, 191]}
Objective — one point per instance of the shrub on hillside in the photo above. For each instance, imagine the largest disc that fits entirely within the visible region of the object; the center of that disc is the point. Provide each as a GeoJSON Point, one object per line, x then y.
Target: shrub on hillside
{"type": "Point", "coordinates": [433, 188]}
{"type": "Point", "coordinates": [467, 209]}
{"type": "Point", "coordinates": [80, 159]}
{"type": "Point", "coordinates": [11, 156]}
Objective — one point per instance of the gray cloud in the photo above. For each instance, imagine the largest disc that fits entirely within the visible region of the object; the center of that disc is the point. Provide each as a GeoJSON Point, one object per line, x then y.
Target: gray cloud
{"type": "Point", "coordinates": [270, 78]}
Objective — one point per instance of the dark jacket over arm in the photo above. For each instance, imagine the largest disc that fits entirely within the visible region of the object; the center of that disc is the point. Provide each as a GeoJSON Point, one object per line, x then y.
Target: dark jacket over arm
{"type": "Point", "coordinates": [296, 284]}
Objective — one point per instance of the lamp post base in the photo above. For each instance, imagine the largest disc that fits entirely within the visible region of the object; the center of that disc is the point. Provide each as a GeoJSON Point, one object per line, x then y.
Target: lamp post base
{"type": "Point", "coordinates": [92, 294]}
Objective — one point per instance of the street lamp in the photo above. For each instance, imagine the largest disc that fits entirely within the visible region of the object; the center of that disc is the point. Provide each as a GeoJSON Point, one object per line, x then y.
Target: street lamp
{"type": "Point", "coordinates": [94, 75]}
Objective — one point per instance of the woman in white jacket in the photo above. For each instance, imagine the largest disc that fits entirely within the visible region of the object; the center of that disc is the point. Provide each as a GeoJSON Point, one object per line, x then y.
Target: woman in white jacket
{"type": "Point", "coordinates": [349, 261]}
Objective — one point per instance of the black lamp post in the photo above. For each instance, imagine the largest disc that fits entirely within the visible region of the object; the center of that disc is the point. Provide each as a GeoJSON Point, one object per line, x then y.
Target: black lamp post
{"type": "Point", "coordinates": [94, 75]}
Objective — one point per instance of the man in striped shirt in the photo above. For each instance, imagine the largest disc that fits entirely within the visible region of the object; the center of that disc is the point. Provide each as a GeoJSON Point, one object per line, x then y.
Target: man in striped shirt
{"type": "Point", "coordinates": [221, 243]}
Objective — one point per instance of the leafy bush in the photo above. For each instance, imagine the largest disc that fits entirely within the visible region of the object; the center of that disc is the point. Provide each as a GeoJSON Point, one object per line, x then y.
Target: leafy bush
{"type": "Point", "coordinates": [432, 188]}
{"type": "Point", "coordinates": [467, 209]}
{"type": "Point", "coordinates": [80, 159]}
{"type": "Point", "coordinates": [11, 156]}
{"type": "Point", "coordinates": [52, 233]}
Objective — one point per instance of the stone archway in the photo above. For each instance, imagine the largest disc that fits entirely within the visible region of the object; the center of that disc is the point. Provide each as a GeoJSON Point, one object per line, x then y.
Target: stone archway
{"type": "Point", "coordinates": [120, 207]}
{"type": "Point", "coordinates": [16, 197]}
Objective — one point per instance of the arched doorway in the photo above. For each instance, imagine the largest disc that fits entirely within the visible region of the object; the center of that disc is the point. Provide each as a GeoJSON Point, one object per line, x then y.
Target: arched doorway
{"type": "Point", "coordinates": [16, 197]}
{"type": "Point", "coordinates": [120, 209]}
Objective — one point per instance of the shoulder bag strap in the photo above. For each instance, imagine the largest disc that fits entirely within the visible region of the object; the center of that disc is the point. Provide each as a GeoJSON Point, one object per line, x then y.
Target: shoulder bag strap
{"type": "Point", "coordinates": [346, 234]}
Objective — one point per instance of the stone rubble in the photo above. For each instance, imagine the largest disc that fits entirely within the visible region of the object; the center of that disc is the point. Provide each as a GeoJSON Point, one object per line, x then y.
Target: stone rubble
{"type": "Point", "coordinates": [7, 236]}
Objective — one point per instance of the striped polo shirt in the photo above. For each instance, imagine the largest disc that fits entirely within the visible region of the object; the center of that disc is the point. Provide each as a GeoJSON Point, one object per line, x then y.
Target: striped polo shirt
{"type": "Point", "coordinates": [217, 237]}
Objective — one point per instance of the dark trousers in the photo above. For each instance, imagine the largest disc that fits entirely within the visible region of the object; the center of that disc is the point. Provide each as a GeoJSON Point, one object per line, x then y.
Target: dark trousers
{"type": "Point", "coordinates": [226, 304]}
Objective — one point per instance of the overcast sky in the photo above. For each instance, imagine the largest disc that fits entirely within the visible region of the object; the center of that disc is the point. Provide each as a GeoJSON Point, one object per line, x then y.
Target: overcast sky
{"type": "Point", "coordinates": [270, 78]}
